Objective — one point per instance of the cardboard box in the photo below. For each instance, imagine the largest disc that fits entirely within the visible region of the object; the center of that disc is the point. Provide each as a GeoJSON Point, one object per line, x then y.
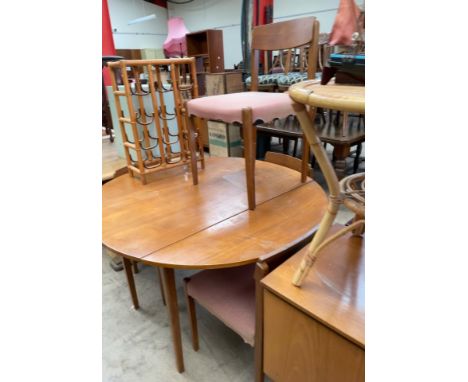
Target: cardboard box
{"type": "Point", "coordinates": [223, 83]}
{"type": "Point", "coordinates": [224, 139]}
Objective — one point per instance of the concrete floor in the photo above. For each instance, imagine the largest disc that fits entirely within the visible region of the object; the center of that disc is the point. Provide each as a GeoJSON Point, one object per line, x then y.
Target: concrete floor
{"type": "Point", "coordinates": [137, 345]}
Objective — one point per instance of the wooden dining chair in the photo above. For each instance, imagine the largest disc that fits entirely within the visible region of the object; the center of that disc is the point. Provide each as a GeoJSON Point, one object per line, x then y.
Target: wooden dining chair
{"type": "Point", "coordinates": [249, 108]}
{"type": "Point", "coordinates": [286, 161]}
{"type": "Point", "coordinates": [234, 295]}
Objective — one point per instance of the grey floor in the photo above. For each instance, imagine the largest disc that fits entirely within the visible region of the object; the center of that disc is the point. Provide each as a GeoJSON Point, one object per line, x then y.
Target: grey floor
{"type": "Point", "coordinates": [137, 345]}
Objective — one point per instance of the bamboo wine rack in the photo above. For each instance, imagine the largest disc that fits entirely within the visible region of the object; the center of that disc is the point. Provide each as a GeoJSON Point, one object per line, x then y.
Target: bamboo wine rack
{"type": "Point", "coordinates": [154, 137]}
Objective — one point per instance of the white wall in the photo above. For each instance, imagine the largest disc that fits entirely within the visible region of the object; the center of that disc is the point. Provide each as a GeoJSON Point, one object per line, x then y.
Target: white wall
{"type": "Point", "coordinates": [214, 14]}
{"type": "Point", "coordinates": [323, 10]}
{"type": "Point", "coordinates": [225, 15]}
{"type": "Point", "coordinates": [146, 35]}
{"type": "Point", "coordinates": [206, 14]}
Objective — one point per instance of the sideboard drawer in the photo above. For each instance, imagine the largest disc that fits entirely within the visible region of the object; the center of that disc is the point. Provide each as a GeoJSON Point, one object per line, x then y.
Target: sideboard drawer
{"type": "Point", "coordinates": [299, 348]}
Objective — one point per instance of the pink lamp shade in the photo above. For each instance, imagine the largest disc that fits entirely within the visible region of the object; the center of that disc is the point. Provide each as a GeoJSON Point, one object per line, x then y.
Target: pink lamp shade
{"type": "Point", "coordinates": [175, 44]}
{"type": "Point", "coordinates": [346, 23]}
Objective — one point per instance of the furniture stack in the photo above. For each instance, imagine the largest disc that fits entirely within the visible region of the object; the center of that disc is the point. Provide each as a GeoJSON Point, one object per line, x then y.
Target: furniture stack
{"type": "Point", "coordinates": [245, 224]}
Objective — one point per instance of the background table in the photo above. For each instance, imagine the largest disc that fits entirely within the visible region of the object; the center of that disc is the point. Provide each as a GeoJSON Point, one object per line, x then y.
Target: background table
{"type": "Point", "coordinates": [171, 224]}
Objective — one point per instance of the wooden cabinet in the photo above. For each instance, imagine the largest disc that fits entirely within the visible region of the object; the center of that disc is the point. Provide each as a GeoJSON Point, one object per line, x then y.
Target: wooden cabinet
{"type": "Point", "coordinates": [207, 47]}
{"type": "Point", "coordinates": [316, 333]}
{"type": "Point", "coordinates": [129, 54]}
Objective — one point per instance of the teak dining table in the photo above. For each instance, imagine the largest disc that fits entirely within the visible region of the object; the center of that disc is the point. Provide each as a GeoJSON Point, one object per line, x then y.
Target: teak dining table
{"type": "Point", "coordinates": [171, 224]}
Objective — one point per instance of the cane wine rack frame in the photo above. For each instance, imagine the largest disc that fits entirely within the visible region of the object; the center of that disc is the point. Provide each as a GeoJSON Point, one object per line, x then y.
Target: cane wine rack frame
{"type": "Point", "coordinates": [151, 144]}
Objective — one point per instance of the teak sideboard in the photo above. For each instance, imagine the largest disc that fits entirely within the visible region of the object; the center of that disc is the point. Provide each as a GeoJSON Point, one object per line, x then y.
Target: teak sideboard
{"type": "Point", "coordinates": [315, 333]}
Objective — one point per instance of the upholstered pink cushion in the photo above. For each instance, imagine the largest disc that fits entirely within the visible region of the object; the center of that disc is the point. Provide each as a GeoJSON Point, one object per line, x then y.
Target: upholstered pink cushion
{"type": "Point", "coordinates": [229, 294]}
{"type": "Point", "coordinates": [228, 107]}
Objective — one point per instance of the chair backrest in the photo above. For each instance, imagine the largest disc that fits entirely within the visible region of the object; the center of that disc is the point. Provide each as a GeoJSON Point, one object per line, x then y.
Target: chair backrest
{"type": "Point", "coordinates": [286, 161]}
{"type": "Point", "coordinates": [285, 35]}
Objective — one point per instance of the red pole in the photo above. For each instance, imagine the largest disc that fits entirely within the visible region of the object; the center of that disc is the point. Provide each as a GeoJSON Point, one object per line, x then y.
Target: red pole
{"type": "Point", "coordinates": [265, 8]}
{"type": "Point", "coordinates": [108, 48]}
{"type": "Point", "coordinates": [262, 14]}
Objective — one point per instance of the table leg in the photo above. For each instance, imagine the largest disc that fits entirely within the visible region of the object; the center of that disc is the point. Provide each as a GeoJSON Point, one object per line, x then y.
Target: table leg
{"type": "Point", "coordinates": [340, 153]}
{"type": "Point", "coordinates": [161, 286]}
{"type": "Point", "coordinates": [173, 310]}
{"type": "Point", "coordinates": [131, 282]}
{"type": "Point", "coordinates": [305, 160]}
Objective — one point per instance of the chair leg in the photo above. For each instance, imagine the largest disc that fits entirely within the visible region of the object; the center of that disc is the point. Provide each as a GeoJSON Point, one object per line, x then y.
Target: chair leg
{"type": "Point", "coordinates": [161, 286]}
{"type": "Point", "coordinates": [337, 118]}
{"type": "Point", "coordinates": [322, 114]}
{"type": "Point", "coordinates": [192, 316]}
{"type": "Point", "coordinates": [131, 282]}
{"type": "Point", "coordinates": [286, 146]}
{"type": "Point", "coordinates": [250, 140]}
{"type": "Point", "coordinates": [305, 160]}
{"type": "Point", "coordinates": [200, 124]}
{"type": "Point", "coordinates": [135, 267]}
{"type": "Point", "coordinates": [261, 270]}
{"type": "Point", "coordinates": [193, 150]}
{"type": "Point", "coordinates": [356, 159]}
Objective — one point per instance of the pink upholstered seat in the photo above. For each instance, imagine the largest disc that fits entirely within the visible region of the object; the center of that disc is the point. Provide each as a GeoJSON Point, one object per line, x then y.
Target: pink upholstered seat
{"type": "Point", "coordinates": [228, 294]}
{"type": "Point", "coordinates": [228, 107]}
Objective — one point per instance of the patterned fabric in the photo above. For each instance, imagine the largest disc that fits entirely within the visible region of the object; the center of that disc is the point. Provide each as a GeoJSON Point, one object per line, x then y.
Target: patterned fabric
{"type": "Point", "coordinates": [265, 79]}
{"type": "Point", "coordinates": [280, 79]}
{"type": "Point", "coordinates": [291, 78]}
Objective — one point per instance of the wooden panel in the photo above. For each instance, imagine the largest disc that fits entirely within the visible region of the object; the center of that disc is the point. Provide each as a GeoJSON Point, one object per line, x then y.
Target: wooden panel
{"type": "Point", "coordinates": [224, 83]}
{"type": "Point", "coordinates": [129, 54]}
{"type": "Point", "coordinates": [216, 51]}
{"type": "Point", "coordinates": [197, 43]}
{"type": "Point", "coordinates": [298, 348]}
{"type": "Point", "coordinates": [333, 291]}
{"type": "Point", "coordinates": [208, 46]}
{"type": "Point", "coordinates": [204, 137]}
{"type": "Point", "coordinates": [284, 34]}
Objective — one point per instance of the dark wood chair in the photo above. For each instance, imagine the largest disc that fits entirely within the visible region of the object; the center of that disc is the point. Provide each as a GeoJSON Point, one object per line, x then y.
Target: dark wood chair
{"type": "Point", "coordinates": [345, 144]}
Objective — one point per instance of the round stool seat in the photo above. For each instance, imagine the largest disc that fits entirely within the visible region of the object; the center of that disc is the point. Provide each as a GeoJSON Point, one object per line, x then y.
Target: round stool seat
{"type": "Point", "coordinates": [334, 96]}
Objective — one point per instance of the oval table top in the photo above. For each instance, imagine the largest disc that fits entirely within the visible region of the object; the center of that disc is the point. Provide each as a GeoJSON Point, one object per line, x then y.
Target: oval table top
{"type": "Point", "coordinates": [169, 222]}
{"type": "Point", "coordinates": [332, 96]}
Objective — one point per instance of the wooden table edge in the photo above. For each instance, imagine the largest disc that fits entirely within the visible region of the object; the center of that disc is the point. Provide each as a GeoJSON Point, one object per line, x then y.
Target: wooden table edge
{"type": "Point", "coordinates": [309, 233]}
{"type": "Point", "coordinates": [314, 316]}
